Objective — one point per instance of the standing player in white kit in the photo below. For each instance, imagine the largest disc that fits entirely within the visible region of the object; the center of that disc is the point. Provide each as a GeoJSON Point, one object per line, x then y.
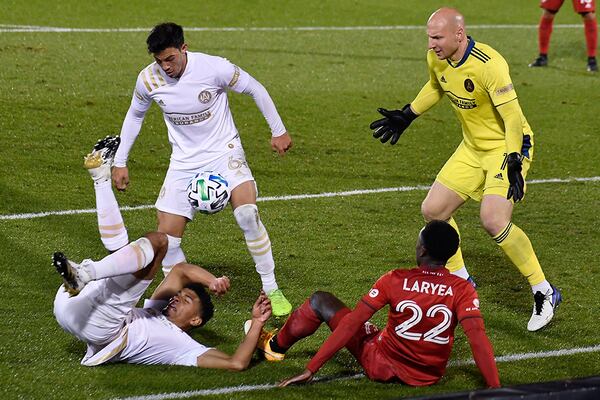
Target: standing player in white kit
{"type": "Point", "coordinates": [191, 90]}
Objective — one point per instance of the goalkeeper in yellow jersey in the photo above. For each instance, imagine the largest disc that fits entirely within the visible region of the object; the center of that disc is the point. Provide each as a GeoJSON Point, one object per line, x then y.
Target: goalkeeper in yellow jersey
{"type": "Point", "coordinates": [491, 162]}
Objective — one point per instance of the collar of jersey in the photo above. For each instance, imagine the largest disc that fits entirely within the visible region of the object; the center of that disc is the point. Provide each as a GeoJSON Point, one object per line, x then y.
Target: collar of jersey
{"type": "Point", "coordinates": [426, 268]}
{"type": "Point", "coordinates": [466, 55]}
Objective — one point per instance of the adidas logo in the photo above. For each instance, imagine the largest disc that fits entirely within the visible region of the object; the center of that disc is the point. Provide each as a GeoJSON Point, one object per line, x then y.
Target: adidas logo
{"type": "Point", "coordinates": [499, 176]}
{"type": "Point", "coordinates": [161, 103]}
{"type": "Point", "coordinates": [443, 79]}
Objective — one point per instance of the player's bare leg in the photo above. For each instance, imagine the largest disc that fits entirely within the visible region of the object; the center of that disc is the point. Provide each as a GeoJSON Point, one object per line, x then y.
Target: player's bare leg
{"type": "Point", "coordinates": [243, 202]}
{"type": "Point", "coordinates": [173, 226]}
{"type": "Point", "coordinates": [496, 214]}
{"type": "Point", "coordinates": [441, 203]}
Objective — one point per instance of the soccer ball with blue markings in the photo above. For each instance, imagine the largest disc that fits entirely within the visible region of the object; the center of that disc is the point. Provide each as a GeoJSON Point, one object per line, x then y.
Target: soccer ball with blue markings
{"type": "Point", "coordinates": [208, 192]}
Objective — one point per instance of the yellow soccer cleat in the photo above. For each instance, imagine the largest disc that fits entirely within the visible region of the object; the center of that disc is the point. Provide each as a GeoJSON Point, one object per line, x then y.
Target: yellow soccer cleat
{"type": "Point", "coordinates": [264, 343]}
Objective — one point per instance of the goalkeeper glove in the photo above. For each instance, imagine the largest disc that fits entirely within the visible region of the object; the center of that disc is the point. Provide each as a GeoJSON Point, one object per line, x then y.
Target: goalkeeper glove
{"type": "Point", "coordinates": [393, 125]}
{"type": "Point", "coordinates": [516, 186]}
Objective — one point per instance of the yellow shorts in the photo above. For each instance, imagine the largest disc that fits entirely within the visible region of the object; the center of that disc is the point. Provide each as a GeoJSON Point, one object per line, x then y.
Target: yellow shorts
{"type": "Point", "coordinates": [474, 174]}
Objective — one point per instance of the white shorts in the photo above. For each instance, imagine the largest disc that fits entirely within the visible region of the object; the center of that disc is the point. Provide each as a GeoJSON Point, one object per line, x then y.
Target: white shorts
{"type": "Point", "coordinates": [99, 312]}
{"type": "Point", "coordinates": [173, 194]}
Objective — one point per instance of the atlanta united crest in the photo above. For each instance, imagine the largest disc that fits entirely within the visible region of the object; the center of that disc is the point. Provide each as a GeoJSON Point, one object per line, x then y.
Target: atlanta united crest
{"type": "Point", "coordinates": [204, 96]}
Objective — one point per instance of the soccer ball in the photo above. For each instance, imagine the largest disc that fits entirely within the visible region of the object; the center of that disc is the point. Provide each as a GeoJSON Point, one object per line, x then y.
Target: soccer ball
{"type": "Point", "coordinates": [208, 192]}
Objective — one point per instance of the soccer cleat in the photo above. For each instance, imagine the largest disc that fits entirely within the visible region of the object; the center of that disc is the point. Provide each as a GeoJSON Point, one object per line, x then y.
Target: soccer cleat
{"type": "Point", "coordinates": [541, 61]}
{"type": "Point", "coordinates": [280, 305]}
{"type": "Point", "coordinates": [264, 343]}
{"type": "Point", "coordinates": [592, 65]}
{"type": "Point", "coordinates": [73, 276]}
{"type": "Point", "coordinates": [543, 308]}
{"type": "Point", "coordinates": [100, 160]}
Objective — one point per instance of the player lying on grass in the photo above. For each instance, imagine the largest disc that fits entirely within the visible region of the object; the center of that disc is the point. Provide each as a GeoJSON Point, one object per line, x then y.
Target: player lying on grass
{"type": "Point", "coordinates": [426, 304]}
{"type": "Point", "coordinates": [97, 302]}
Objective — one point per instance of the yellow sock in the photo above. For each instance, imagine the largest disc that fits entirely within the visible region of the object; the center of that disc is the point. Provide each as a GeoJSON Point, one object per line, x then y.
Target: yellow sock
{"type": "Point", "coordinates": [455, 262]}
{"type": "Point", "coordinates": [516, 245]}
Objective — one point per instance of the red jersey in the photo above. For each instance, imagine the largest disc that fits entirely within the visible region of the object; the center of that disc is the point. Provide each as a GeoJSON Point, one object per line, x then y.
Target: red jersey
{"type": "Point", "coordinates": [425, 307]}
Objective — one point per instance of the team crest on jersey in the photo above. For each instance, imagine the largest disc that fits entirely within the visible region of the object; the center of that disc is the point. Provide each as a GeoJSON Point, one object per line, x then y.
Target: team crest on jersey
{"type": "Point", "coordinates": [204, 96]}
{"type": "Point", "coordinates": [469, 85]}
{"type": "Point", "coordinates": [373, 293]}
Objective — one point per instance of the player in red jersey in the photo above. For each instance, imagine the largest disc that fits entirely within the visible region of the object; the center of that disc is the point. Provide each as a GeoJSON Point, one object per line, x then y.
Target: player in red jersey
{"type": "Point", "coordinates": [426, 304]}
{"type": "Point", "coordinates": [587, 10]}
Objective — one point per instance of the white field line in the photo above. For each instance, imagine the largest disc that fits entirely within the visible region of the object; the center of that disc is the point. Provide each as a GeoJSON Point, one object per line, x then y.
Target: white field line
{"type": "Point", "coordinates": [33, 28]}
{"type": "Point", "coordinates": [252, 388]}
{"type": "Point", "coordinates": [289, 197]}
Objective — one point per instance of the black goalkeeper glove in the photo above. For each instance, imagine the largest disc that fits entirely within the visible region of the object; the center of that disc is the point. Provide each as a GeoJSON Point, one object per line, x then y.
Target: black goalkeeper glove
{"type": "Point", "coordinates": [516, 189]}
{"type": "Point", "coordinates": [393, 125]}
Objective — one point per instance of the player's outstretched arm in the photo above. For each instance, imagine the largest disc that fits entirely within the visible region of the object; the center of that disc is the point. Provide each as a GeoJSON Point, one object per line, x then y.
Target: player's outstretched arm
{"type": "Point", "coordinates": [239, 361]}
{"type": "Point", "coordinates": [184, 274]}
{"type": "Point", "coordinates": [482, 350]}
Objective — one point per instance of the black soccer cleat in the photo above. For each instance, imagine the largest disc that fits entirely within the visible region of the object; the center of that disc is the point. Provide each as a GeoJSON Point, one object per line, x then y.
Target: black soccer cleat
{"type": "Point", "coordinates": [541, 61]}
{"type": "Point", "coordinates": [63, 266]}
{"type": "Point", "coordinates": [592, 65]}
{"type": "Point", "coordinates": [107, 146]}
{"type": "Point", "coordinates": [100, 160]}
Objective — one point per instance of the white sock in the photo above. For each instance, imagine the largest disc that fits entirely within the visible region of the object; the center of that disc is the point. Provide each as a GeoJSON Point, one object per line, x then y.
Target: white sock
{"type": "Point", "coordinates": [110, 222]}
{"type": "Point", "coordinates": [129, 259]}
{"type": "Point", "coordinates": [462, 272]}
{"type": "Point", "coordinates": [259, 244]}
{"type": "Point", "coordinates": [543, 287]}
{"type": "Point", "coordinates": [174, 254]}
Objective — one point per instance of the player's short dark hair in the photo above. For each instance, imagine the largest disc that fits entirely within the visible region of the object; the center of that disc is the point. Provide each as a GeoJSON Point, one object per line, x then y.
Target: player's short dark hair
{"type": "Point", "coordinates": [207, 309]}
{"type": "Point", "coordinates": [440, 240]}
{"type": "Point", "coordinates": [165, 35]}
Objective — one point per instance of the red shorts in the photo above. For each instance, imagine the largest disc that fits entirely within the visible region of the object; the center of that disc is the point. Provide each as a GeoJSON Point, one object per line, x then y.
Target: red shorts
{"type": "Point", "coordinates": [364, 347]}
{"type": "Point", "coordinates": [580, 6]}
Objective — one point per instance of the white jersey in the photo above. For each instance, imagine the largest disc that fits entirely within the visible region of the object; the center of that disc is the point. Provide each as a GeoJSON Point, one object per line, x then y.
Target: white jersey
{"type": "Point", "coordinates": [195, 109]}
{"type": "Point", "coordinates": [149, 338]}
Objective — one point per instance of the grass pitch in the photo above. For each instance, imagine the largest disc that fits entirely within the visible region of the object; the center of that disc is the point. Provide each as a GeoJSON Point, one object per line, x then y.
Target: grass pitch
{"type": "Point", "coordinates": [62, 91]}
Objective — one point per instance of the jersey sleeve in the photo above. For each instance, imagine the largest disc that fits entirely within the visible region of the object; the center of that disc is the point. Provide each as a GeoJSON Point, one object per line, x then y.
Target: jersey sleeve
{"type": "Point", "coordinates": [141, 100]}
{"type": "Point", "coordinates": [467, 303]}
{"type": "Point", "coordinates": [155, 304]}
{"type": "Point", "coordinates": [230, 77]}
{"type": "Point", "coordinates": [378, 296]}
{"type": "Point", "coordinates": [431, 92]}
{"type": "Point", "coordinates": [497, 82]}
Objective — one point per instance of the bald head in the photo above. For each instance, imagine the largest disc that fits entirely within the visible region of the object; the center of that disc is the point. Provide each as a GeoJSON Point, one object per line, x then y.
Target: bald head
{"type": "Point", "coordinates": [447, 35]}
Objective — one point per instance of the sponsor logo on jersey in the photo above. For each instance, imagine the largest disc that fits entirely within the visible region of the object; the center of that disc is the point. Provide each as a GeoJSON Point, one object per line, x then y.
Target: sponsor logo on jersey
{"type": "Point", "coordinates": [188, 119]}
{"type": "Point", "coordinates": [373, 293]}
{"type": "Point", "coordinates": [204, 96]}
{"type": "Point", "coordinates": [499, 176]}
{"type": "Point", "coordinates": [461, 102]}
{"type": "Point", "coordinates": [504, 89]}
{"type": "Point", "coordinates": [469, 85]}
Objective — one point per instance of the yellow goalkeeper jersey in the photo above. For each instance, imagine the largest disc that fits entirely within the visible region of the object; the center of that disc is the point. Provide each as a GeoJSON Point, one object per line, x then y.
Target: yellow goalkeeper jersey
{"type": "Point", "coordinates": [476, 85]}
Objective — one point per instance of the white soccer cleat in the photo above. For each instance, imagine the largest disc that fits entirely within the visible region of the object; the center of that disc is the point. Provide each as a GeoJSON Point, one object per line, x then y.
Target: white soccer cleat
{"type": "Point", "coordinates": [543, 308]}
{"type": "Point", "coordinates": [75, 276]}
{"type": "Point", "coordinates": [100, 160]}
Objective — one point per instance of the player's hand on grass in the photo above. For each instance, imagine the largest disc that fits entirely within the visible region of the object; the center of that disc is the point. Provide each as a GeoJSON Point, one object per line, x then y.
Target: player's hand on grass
{"type": "Point", "coordinates": [120, 177]}
{"type": "Point", "coordinates": [219, 286]}
{"type": "Point", "coordinates": [514, 166]}
{"type": "Point", "coordinates": [393, 124]}
{"type": "Point", "coordinates": [261, 311]}
{"type": "Point", "coordinates": [304, 377]}
{"type": "Point", "coordinates": [281, 144]}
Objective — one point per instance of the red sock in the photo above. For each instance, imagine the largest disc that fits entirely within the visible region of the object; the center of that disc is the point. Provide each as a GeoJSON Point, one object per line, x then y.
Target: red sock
{"type": "Point", "coordinates": [302, 323]}
{"type": "Point", "coordinates": [591, 36]}
{"type": "Point", "coordinates": [544, 32]}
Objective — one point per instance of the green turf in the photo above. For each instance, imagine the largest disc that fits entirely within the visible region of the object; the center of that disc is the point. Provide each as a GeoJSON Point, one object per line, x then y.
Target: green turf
{"type": "Point", "coordinates": [62, 91]}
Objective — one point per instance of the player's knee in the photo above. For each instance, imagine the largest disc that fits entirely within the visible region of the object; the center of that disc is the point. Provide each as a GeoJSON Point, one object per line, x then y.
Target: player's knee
{"type": "Point", "coordinates": [247, 217]}
{"type": "Point", "coordinates": [549, 14]}
{"type": "Point", "coordinates": [588, 15]}
{"type": "Point", "coordinates": [432, 211]}
{"type": "Point", "coordinates": [492, 222]}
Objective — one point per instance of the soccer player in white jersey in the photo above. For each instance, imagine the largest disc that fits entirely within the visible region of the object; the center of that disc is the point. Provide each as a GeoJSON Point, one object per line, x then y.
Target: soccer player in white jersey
{"type": "Point", "coordinates": [191, 90]}
{"type": "Point", "coordinates": [97, 302]}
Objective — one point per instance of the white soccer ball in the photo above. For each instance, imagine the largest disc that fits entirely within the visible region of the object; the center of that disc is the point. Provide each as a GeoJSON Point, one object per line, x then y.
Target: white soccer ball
{"type": "Point", "coordinates": [208, 192]}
